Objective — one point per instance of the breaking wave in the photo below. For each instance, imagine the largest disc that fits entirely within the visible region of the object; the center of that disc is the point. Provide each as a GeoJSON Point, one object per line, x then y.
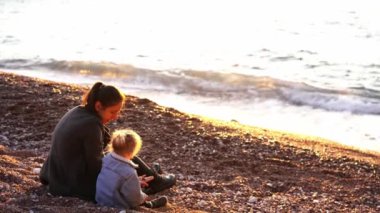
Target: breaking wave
{"type": "Point", "coordinates": [220, 85]}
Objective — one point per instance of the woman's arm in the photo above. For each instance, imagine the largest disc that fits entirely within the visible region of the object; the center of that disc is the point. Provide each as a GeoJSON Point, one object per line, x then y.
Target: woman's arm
{"type": "Point", "coordinates": [93, 150]}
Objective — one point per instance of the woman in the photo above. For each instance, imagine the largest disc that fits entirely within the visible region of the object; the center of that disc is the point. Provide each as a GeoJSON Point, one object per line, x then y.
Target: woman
{"type": "Point", "coordinates": [78, 140]}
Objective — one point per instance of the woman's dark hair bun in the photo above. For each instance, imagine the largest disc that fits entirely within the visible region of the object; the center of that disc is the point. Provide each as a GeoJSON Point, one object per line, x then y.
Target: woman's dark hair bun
{"type": "Point", "coordinates": [107, 95]}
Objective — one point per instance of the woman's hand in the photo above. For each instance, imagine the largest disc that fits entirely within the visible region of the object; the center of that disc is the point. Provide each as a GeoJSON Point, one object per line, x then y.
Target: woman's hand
{"type": "Point", "coordinates": [144, 180]}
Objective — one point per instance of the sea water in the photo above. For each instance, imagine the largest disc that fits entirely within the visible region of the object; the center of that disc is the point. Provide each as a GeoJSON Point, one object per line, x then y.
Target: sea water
{"type": "Point", "coordinates": [309, 67]}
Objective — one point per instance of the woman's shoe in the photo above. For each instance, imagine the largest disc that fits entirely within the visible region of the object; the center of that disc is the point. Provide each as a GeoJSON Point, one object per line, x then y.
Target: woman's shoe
{"type": "Point", "coordinates": [160, 183]}
{"type": "Point", "coordinates": [157, 168]}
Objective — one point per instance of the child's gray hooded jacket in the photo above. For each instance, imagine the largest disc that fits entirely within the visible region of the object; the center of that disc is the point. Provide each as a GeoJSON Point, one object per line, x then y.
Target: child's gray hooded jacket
{"type": "Point", "coordinates": [118, 184]}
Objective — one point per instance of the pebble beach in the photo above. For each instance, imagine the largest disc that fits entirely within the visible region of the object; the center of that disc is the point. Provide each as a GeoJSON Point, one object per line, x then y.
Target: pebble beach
{"type": "Point", "coordinates": [221, 166]}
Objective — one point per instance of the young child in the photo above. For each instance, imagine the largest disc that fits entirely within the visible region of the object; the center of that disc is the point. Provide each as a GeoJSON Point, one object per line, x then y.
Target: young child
{"type": "Point", "coordinates": [118, 184]}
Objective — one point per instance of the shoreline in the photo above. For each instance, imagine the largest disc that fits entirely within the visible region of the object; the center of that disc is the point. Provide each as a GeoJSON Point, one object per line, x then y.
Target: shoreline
{"type": "Point", "coordinates": [228, 166]}
{"type": "Point", "coordinates": [365, 145]}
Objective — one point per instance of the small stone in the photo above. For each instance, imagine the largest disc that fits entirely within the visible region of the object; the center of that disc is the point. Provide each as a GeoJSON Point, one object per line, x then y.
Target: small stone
{"type": "Point", "coordinates": [202, 203]}
{"type": "Point", "coordinates": [3, 138]}
{"type": "Point", "coordinates": [216, 194]}
{"type": "Point", "coordinates": [252, 199]}
{"type": "Point", "coordinates": [180, 176]}
{"type": "Point", "coordinates": [220, 142]}
{"type": "Point", "coordinates": [5, 186]}
{"type": "Point", "coordinates": [36, 170]}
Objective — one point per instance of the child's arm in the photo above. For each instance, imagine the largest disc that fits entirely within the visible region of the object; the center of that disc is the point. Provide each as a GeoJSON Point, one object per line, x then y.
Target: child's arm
{"type": "Point", "coordinates": [144, 180]}
{"type": "Point", "coordinates": [130, 190]}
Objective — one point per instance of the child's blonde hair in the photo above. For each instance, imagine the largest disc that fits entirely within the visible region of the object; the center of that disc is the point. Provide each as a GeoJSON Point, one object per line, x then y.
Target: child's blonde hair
{"type": "Point", "coordinates": [125, 141]}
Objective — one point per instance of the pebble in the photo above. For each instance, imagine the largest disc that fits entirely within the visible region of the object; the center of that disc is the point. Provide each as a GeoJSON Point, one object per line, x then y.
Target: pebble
{"type": "Point", "coordinates": [216, 194]}
{"type": "Point", "coordinates": [220, 142]}
{"type": "Point", "coordinates": [36, 170]}
{"type": "Point", "coordinates": [188, 189]}
{"type": "Point", "coordinates": [202, 203]}
{"type": "Point", "coordinates": [5, 186]}
{"type": "Point", "coordinates": [180, 177]}
{"type": "Point", "coordinates": [3, 138]}
{"type": "Point", "coordinates": [252, 199]}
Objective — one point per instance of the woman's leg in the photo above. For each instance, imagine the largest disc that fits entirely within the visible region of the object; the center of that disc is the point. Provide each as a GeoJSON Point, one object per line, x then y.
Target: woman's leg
{"type": "Point", "coordinates": [160, 181]}
{"type": "Point", "coordinates": [143, 168]}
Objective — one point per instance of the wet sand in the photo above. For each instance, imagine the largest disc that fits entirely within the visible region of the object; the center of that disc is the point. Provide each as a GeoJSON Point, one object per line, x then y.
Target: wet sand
{"type": "Point", "coordinates": [221, 166]}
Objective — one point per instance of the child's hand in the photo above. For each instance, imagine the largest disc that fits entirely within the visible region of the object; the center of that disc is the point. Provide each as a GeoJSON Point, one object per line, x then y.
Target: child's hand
{"type": "Point", "coordinates": [144, 180]}
{"type": "Point", "coordinates": [148, 179]}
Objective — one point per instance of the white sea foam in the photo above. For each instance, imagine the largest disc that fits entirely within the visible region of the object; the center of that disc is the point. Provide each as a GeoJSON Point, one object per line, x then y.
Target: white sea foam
{"type": "Point", "coordinates": [236, 87]}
